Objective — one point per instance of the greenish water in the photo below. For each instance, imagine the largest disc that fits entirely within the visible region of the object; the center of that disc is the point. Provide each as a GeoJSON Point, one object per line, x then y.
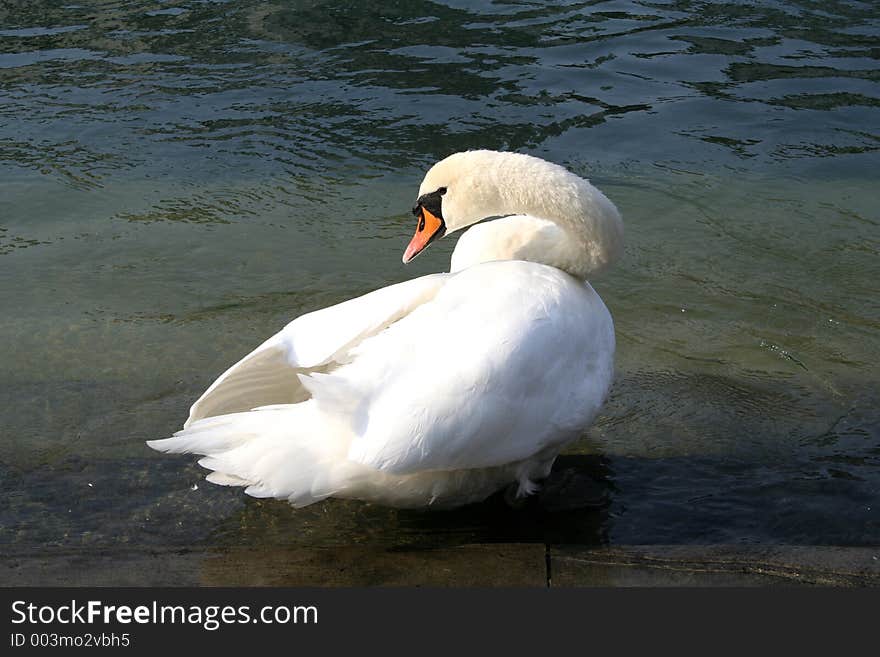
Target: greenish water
{"type": "Point", "coordinates": [180, 179]}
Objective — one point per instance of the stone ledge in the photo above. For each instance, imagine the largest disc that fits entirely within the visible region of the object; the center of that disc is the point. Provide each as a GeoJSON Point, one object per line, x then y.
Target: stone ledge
{"type": "Point", "coordinates": [714, 565]}
{"type": "Point", "coordinates": [484, 565]}
{"type": "Point", "coordinates": [487, 565]}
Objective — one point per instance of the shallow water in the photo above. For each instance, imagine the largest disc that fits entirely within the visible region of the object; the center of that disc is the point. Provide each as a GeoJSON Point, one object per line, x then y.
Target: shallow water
{"type": "Point", "coordinates": [180, 179]}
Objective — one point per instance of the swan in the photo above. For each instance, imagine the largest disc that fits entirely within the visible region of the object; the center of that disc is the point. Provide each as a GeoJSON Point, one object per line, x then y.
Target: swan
{"type": "Point", "coordinates": [444, 389]}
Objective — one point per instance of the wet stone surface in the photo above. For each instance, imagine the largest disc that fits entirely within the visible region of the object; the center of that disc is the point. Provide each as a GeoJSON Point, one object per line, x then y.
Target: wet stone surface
{"type": "Point", "coordinates": [486, 565]}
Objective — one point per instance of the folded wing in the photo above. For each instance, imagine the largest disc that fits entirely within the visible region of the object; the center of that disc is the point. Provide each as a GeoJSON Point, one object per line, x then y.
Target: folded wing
{"type": "Point", "coordinates": [484, 374]}
{"type": "Point", "coordinates": [316, 341]}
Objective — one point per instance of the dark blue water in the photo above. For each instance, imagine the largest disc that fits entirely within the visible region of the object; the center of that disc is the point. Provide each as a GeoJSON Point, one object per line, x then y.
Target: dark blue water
{"type": "Point", "coordinates": [180, 179]}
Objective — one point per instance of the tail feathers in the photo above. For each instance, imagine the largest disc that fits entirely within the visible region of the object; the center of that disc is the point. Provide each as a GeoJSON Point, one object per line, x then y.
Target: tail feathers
{"type": "Point", "coordinates": [299, 453]}
{"type": "Point", "coordinates": [226, 480]}
{"type": "Point", "coordinates": [208, 436]}
{"type": "Point", "coordinates": [282, 451]}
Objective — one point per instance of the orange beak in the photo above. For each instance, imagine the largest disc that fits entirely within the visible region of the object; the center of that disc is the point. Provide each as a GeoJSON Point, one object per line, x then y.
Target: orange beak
{"type": "Point", "coordinates": [428, 229]}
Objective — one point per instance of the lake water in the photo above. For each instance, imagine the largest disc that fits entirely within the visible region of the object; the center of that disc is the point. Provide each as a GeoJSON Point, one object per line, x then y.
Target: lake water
{"type": "Point", "coordinates": [180, 179]}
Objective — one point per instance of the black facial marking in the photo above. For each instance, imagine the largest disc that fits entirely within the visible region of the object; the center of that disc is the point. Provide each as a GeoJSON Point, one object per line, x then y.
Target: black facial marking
{"type": "Point", "coordinates": [431, 202]}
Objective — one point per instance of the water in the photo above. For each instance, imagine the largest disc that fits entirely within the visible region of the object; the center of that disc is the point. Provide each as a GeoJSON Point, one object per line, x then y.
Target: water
{"type": "Point", "coordinates": [180, 179]}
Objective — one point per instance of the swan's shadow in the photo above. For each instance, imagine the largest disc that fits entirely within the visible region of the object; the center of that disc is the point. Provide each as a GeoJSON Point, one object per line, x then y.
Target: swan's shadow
{"type": "Point", "coordinates": [571, 507]}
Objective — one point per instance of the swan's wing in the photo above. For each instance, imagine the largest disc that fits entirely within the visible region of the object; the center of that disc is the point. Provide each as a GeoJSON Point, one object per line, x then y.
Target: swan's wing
{"type": "Point", "coordinates": [268, 375]}
{"type": "Point", "coordinates": [507, 360]}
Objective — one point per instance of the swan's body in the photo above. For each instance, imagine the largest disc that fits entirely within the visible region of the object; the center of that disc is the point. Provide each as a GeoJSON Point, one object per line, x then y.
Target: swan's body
{"type": "Point", "coordinates": [442, 389]}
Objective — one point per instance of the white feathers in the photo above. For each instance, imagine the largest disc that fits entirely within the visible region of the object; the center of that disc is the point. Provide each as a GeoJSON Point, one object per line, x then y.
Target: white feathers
{"type": "Point", "coordinates": [439, 390]}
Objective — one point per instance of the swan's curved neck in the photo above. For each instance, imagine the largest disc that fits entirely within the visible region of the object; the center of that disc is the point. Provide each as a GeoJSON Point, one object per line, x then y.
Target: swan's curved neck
{"type": "Point", "coordinates": [549, 215]}
{"type": "Point", "coordinates": [519, 237]}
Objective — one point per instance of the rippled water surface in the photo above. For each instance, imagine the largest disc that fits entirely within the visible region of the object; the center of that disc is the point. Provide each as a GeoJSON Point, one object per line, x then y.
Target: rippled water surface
{"type": "Point", "coordinates": [180, 179]}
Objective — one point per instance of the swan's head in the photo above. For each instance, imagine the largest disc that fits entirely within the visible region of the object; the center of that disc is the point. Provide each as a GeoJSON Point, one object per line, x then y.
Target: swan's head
{"type": "Point", "coordinates": [457, 192]}
{"type": "Point", "coordinates": [467, 187]}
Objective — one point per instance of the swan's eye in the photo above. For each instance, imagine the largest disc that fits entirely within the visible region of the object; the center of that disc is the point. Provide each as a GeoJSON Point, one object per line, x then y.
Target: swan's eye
{"type": "Point", "coordinates": [428, 208]}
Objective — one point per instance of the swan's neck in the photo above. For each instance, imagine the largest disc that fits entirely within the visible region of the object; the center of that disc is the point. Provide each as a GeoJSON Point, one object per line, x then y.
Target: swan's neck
{"type": "Point", "coordinates": [517, 237]}
{"type": "Point", "coordinates": [552, 217]}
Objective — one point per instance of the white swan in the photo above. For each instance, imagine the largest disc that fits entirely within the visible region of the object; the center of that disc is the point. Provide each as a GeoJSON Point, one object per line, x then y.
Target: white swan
{"type": "Point", "coordinates": [443, 389]}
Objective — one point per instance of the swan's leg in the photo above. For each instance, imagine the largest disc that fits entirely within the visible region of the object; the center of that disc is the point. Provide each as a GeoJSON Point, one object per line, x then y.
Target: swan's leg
{"type": "Point", "coordinates": [516, 493]}
{"type": "Point", "coordinates": [513, 500]}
